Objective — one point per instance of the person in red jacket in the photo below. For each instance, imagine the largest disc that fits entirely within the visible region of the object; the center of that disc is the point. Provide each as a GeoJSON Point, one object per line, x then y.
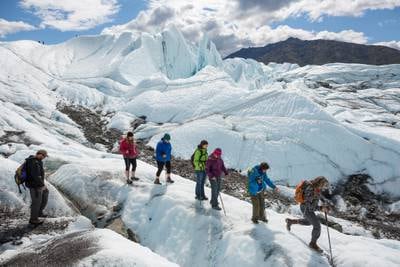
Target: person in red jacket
{"type": "Point", "coordinates": [130, 153]}
{"type": "Point", "coordinates": [215, 167]}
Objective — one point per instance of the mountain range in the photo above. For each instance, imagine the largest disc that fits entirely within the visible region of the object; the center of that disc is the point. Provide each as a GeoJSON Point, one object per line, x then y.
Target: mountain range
{"type": "Point", "coordinates": [319, 52]}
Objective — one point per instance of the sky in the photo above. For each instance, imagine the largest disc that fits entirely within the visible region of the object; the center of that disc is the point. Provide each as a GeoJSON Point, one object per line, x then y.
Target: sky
{"type": "Point", "coordinates": [230, 24]}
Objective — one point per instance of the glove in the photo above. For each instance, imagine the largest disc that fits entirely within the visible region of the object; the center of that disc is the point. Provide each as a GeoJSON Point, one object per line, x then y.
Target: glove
{"type": "Point", "coordinates": [325, 209]}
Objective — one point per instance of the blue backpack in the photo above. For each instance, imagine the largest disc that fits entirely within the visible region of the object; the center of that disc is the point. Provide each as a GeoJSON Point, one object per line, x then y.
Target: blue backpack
{"type": "Point", "coordinates": [20, 176]}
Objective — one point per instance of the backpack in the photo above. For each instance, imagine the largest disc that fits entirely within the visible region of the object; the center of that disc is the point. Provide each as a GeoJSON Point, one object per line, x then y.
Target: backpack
{"type": "Point", "coordinates": [20, 176]}
{"type": "Point", "coordinates": [249, 170]}
{"type": "Point", "coordinates": [299, 193]}
{"type": "Point", "coordinates": [192, 157]}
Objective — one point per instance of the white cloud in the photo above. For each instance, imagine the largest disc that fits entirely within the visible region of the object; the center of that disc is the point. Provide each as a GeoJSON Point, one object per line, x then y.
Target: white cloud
{"type": "Point", "coordinates": [344, 36]}
{"type": "Point", "coordinates": [231, 25]}
{"type": "Point", "coordinates": [315, 9]}
{"type": "Point", "coordinates": [391, 44]}
{"type": "Point", "coordinates": [266, 35]}
{"type": "Point", "coordinates": [8, 27]}
{"type": "Point", "coordinates": [72, 15]}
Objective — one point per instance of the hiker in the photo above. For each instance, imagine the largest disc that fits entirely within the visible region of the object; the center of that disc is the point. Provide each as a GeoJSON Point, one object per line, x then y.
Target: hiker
{"type": "Point", "coordinates": [35, 183]}
{"type": "Point", "coordinates": [258, 181]}
{"type": "Point", "coordinates": [130, 153]}
{"type": "Point", "coordinates": [163, 157]}
{"type": "Point", "coordinates": [215, 167]}
{"type": "Point", "coordinates": [199, 162]}
{"type": "Point", "coordinates": [310, 192]}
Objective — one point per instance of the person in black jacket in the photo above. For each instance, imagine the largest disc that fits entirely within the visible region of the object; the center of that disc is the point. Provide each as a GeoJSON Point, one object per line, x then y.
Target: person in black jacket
{"type": "Point", "coordinates": [35, 183]}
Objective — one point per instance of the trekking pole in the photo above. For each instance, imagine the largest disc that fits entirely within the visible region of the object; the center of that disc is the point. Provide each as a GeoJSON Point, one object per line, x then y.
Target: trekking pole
{"type": "Point", "coordinates": [329, 237]}
{"type": "Point", "coordinates": [222, 203]}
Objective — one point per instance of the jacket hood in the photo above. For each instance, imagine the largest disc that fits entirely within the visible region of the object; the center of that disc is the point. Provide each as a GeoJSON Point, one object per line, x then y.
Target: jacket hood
{"type": "Point", "coordinates": [30, 157]}
{"type": "Point", "coordinates": [212, 157]}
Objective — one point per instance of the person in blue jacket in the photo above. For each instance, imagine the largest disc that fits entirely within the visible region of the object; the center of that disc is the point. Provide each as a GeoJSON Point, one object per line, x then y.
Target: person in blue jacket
{"type": "Point", "coordinates": [258, 182]}
{"type": "Point", "coordinates": [163, 157]}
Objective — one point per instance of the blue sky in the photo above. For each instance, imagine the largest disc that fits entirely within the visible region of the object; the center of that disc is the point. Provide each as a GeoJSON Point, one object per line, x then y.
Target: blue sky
{"type": "Point", "coordinates": [231, 24]}
{"type": "Point", "coordinates": [10, 10]}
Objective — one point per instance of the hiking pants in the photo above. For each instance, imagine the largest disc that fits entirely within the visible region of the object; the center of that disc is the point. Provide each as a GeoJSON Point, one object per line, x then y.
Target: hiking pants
{"type": "Point", "coordinates": [39, 196]}
{"type": "Point", "coordinates": [311, 219]}
{"type": "Point", "coordinates": [160, 165]}
{"type": "Point", "coordinates": [215, 188]}
{"type": "Point", "coordinates": [258, 202]}
{"type": "Point", "coordinates": [200, 181]}
{"type": "Point", "coordinates": [129, 162]}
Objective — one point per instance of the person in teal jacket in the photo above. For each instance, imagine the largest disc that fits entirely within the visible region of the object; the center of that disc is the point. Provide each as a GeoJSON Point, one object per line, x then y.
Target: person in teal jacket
{"type": "Point", "coordinates": [199, 162]}
{"type": "Point", "coordinates": [258, 182]}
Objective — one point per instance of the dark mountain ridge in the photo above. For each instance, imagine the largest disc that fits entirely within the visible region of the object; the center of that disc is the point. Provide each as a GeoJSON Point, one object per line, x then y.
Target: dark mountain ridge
{"type": "Point", "coordinates": [319, 52]}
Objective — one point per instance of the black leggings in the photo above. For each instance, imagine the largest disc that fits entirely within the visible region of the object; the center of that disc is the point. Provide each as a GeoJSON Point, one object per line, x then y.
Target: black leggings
{"type": "Point", "coordinates": [160, 166]}
{"type": "Point", "coordinates": [128, 163]}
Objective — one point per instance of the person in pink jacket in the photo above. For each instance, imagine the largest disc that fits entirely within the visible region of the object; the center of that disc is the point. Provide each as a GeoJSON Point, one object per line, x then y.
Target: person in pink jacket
{"type": "Point", "coordinates": [215, 167]}
{"type": "Point", "coordinates": [130, 153]}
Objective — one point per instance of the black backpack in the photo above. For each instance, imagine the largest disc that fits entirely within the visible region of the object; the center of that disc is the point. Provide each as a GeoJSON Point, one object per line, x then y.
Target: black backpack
{"type": "Point", "coordinates": [192, 158]}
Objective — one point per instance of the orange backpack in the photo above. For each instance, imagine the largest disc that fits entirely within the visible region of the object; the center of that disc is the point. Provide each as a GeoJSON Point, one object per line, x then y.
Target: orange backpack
{"type": "Point", "coordinates": [298, 193]}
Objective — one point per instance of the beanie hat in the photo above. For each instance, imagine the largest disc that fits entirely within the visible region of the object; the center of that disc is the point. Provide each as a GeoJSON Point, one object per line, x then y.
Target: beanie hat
{"type": "Point", "coordinates": [217, 152]}
{"type": "Point", "coordinates": [166, 137]}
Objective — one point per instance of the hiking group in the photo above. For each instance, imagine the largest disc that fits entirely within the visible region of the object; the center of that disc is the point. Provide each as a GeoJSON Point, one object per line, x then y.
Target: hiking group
{"type": "Point", "coordinates": [307, 194]}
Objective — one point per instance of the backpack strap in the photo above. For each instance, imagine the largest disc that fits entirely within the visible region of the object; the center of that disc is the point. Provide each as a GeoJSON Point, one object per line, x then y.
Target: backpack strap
{"type": "Point", "coordinates": [201, 155]}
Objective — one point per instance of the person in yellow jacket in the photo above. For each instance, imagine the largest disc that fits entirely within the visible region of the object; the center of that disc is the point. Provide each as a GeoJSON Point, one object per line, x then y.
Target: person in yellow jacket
{"type": "Point", "coordinates": [199, 162]}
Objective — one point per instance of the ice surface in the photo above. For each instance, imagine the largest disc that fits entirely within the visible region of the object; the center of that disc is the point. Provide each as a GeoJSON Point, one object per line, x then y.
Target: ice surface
{"type": "Point", "coordinates": [172, 223]}
{"type": "Point", "coordinates": [332, 120]}
{"type": "Point", "coordinates": [111, 248]}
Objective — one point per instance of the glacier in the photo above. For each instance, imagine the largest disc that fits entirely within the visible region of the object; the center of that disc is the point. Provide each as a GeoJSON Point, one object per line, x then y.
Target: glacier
{"type": "Point", "coordinates": [333, 120]}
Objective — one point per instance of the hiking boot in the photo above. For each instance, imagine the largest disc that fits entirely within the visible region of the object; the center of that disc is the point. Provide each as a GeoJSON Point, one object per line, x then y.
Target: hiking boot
{"type": "Point", "coordinates": [216, 207]}
{"type": "Point", "coordinates": [157, 181]}
{"type": "Point", "coordinates": [128, 181]}
{"type": "Point", "coordinates": [204, 198]}
{"type": "Point", "coordinates": [169, 180]}
{"type": "Point", "coordinates": [43, 215]}
{"type": "Point", "coordinates": [254, 221]}
{"type": "Point", "coordinates": [134, 178]}
{"type": "Point", "coordinates": [314, 246]}
{"type": "Point", "coordinates": [36, 222]}
{"type": "Point", "coordinates": [265, 220]}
